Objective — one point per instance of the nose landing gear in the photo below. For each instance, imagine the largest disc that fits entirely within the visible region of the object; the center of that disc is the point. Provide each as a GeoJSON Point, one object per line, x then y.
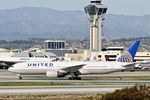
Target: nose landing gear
{"type": "Point", "coordinates": [19, 76]}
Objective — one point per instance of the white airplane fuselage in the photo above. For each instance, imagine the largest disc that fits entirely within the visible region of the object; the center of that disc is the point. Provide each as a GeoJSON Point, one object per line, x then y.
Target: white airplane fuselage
{"type": "Point", "coordinates": [34, 68]}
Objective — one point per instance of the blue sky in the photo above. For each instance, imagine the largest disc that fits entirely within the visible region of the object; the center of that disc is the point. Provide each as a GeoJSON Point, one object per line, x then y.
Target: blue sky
{"type": "Point", "coordinates": [126, 7]}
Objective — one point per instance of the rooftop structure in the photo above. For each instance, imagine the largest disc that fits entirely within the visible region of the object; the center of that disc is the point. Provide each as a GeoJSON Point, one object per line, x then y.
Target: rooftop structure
{"type": "Point", "coordinates": [54, 44]}
{"type": "Point", "coordinates": [57, 47]}
{"type": "Point", "coordinates": [113, 49]}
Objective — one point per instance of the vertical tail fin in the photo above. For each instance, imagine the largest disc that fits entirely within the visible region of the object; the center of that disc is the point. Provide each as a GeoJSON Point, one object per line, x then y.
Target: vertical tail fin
{"type": "Point", "coordinates": [129, 55]}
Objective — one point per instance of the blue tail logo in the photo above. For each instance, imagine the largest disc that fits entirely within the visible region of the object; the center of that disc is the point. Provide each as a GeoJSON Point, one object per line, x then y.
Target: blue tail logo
{"type": "Point", "coordinates": [129, 55]}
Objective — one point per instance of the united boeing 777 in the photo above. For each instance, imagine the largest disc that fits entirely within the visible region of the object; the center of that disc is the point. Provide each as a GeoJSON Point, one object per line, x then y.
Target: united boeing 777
{"type": "Point", "coordinates": [75, 69]}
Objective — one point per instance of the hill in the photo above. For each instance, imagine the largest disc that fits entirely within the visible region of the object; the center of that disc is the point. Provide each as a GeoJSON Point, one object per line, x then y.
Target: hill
{"type": "Point", "coordinates": [28, 22]}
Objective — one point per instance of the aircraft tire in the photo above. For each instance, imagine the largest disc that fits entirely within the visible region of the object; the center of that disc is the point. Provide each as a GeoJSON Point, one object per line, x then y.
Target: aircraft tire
{"type": "Point", "coordinates": [70, 78]}
{"type": "Point", "coordinates": [20, 77]}
{"type": "Point", "coordinates": [78, 78]}
{"type": "Point", "coordinates": [74, 78]}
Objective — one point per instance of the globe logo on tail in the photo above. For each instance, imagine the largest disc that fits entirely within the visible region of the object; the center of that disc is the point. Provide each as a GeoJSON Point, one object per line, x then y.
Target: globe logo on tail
{"type": "Point", "coordinates": [129, 55]}
{"type": "Point", "coordinates": [125, 57]}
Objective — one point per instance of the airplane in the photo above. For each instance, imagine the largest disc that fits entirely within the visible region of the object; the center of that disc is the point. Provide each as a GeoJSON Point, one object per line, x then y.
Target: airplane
{"type": "Point", "coordinates": [57, 69]}
{"type": "Point", "coordinates": [143, 65]}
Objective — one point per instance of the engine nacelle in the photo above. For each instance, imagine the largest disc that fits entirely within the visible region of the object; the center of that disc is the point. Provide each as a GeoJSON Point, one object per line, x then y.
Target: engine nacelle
{"type": "Point", "coordinates": [54, 74]}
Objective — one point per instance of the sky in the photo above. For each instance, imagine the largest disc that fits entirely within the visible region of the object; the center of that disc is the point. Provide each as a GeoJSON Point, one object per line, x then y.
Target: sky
{"type": "Point", "coordinates": [125, 7]}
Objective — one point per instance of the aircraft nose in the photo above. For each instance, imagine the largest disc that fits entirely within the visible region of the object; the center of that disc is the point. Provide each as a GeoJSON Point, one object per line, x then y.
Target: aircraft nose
{"type": "Point", "coordinates": [11, 69]}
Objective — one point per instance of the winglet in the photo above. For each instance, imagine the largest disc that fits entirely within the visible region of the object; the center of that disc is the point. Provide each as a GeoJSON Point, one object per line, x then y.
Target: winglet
{"type": "Point", "coordinates": [129, 55]}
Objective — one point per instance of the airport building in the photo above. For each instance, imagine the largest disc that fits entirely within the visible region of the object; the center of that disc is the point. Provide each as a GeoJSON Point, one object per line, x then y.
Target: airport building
{"type": "Point", "coordinates": [57, 47]}
{"type": "Point", "coordinates": [5, 53]}
{"type": "Point", "coordinates": [109, 54]}
{"type": "Point", "coordinates": [142, 56]}
{"type": "Point", "coordinates": [54, 44]}
{"type": "Point", "coordinates": [105, 55]}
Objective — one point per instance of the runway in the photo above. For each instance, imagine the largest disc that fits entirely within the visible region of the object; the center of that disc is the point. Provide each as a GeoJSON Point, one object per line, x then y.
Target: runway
{"type": "Point", "coordinates": [80, 81]}
{"type": "Point", "coordinates": [89, 84]}
{"type": "Point", "coordinates": [31, 90]}
{"type": "Point", "coordinates": [122, 78]}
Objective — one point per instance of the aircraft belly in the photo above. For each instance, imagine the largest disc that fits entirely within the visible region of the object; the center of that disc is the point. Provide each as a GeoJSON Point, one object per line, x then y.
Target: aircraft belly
{"type": "Point", "coordinates": [97, 71]}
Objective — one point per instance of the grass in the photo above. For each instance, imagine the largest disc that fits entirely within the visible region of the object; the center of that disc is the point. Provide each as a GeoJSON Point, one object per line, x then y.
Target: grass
{"type": "Point", "coordinates": [23, 84]}
{"type": "Point", "coordinates": [30, 84]}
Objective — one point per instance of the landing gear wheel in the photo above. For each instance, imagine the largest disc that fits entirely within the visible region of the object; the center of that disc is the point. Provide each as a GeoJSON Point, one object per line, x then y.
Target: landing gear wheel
{"type": "Point", "coordinates": [78, 78]}
{"type": "Point", "coordinates": [70, 78]}
{"type": "Point", "coordinates": [20, 77]}
{"type": "Point", "coordinates": [74, 78]}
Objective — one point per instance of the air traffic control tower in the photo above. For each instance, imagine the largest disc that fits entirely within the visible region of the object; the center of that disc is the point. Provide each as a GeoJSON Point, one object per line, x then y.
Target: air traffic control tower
{"type": "Point", "coordinates": [95, 11]}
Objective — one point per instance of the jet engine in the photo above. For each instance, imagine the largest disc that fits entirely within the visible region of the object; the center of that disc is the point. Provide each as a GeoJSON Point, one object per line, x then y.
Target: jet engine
{"type": "Point", "coordinates": [55, 74]}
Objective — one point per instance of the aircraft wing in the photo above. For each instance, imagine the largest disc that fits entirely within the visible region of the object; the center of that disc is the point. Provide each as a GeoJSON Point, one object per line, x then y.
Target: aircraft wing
{"type": "Point", "coordinates": [74, 68]}
{"type": "Point", "coordinates": [130, 66]}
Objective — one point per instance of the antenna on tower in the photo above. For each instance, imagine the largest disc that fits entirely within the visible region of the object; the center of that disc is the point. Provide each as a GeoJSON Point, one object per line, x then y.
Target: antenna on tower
{"type": "Point", "coordinates": [96, 1]}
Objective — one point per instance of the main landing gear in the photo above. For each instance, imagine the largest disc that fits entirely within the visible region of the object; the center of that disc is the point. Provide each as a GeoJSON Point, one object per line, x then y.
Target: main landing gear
{"type": "Point", "coordinates": [74, 77]}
